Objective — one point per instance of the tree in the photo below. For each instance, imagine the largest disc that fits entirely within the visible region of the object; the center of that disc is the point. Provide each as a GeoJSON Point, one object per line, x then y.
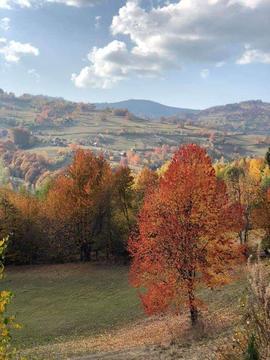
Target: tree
{"type": "Point", "coordinates": [184, 235]}
{"type": "Point", "coordinates": [146, 181]}
{"type": "Point", "coordinates": [21, 137]}
{"type": "Point", "coordinates": [267, 157]}
{"type": "Point", "coordinates": [20, 221]}
{"type": "Point", "coordinates": [123, 181]}
{"type": "Point", "coordinates": [4, 174]}
{"type": "Point", "coordinates": [261, 219]}
{"type": "Point", "coordinates": [7, 323]}
{"type": "Point", "coordinates": [79, 200]}
{"type": "Point", "coordinates": [123, 212]}
{"type": "Point", "coordinates": [243, 180]}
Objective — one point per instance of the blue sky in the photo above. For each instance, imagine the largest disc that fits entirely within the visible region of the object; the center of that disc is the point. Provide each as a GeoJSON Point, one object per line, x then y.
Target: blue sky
{"type": "Point", "coordinates": [189, 53]}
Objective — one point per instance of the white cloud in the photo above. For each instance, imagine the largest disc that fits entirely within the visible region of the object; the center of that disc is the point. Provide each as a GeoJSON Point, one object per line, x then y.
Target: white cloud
{"type": "Point", "coordinates": [5, 23]}
{"type": "Point", "coordinates": [33, 73]}
{"type": "Point", "coordinates": [97, 21]}
{"type": "Point", "coordinates": [254, 56]}
{"type": "Point", "coordinates": [204, 73]}
{"type": "Point", "coordinates": [206, 32]}
{"type": "Point", "coordinates": [115, 62]}
{"type": "Point", "coordinates": [248, 3]}
{"type": "Point", "coordinates": [10, 4]}
{"type": "Point", "coordinates": [77, 3]}
{"type": "Point", "coordinates": [12, 51]}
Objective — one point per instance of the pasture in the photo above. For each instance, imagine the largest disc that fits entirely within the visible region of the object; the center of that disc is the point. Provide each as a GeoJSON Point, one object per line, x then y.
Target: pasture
{"type": "Point", "coordinates": [59, 302]}
{"type": "Point", "coordinates": [76, 309]}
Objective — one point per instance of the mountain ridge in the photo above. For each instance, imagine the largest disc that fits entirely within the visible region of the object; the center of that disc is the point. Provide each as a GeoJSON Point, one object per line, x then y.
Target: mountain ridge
{"type": "Point", "coordinates": [147, 108]}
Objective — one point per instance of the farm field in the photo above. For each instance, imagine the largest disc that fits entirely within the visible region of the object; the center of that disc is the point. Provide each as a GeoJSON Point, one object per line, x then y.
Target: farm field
{"type": "Point", "coordinates": [76, 309]}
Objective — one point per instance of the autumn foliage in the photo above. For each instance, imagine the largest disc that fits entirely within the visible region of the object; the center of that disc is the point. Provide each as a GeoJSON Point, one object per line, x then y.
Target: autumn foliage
{"type": "Point", "coordinates": [185, 235]}
{"type": "Point", "coordinates": [89, 206]}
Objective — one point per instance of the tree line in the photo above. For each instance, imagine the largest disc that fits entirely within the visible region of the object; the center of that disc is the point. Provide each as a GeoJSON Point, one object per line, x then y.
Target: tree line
{"type": "Point", "coordinates": [90, 209]}
{"type": "Point", "coordinates": [86, 212]}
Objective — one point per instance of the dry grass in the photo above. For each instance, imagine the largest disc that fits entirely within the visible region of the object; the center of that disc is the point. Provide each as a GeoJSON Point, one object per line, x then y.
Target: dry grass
{"type": "Point", "coordinates": [160, 334]}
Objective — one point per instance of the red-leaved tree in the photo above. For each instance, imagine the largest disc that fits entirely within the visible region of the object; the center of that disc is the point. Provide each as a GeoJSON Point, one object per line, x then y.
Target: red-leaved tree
{"type": "Point", "coordinates": [185, 235]}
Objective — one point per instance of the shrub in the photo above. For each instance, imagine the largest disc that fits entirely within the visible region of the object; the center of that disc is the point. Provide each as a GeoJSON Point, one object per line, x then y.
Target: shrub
{"type": "Point", "coordinates": [256, 320]}
{"type": "Point", "coordinates": [7, 323]}
{"type": "Point", "coordinates": [252, 351]}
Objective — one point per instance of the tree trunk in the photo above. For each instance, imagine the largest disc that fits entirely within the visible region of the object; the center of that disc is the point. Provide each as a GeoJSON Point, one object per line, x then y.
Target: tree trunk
{"type": "Point", "coordinates": [247, 226]}
{"type": "Point", "coordinates": [85, 252]}
{"type": "Point", "coordinates": [192, 308]}
{"type": "Point", "coordinates": [194, 315]}
{"type": "Point", "coordinates": [240, 235]}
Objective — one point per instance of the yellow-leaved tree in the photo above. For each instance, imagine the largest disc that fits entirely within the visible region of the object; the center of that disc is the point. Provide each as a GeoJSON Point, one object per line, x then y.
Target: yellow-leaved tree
{"type": "Point", "coordinates": [7, 323]}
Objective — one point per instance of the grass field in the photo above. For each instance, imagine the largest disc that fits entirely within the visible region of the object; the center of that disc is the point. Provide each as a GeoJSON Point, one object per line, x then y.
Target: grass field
{"type": "Point", "coordinates": [59, 302]}
{"type": "Point", "coordinates": [76, 309]}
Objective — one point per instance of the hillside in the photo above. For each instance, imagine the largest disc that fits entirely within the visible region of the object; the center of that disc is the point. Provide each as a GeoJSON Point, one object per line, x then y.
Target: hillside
{"type": "Point", "coordinates": [147, 109]}
{"type": "Point", "coordinates": [53, 127]}
{"type": "Point", "coordinates": [251, 117]}
{"type": "Point", "coordinates": [115, 327]}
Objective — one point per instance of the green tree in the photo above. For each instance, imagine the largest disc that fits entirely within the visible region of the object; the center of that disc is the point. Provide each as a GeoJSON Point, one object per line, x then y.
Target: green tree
{"type": "Point", "coordinates": [267, 157]}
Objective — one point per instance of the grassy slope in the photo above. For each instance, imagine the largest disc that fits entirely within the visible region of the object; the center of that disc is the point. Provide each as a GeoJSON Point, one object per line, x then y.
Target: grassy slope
{"type": "Point", "coordinates": [60, 302]}
{"type": "Point", "coordinates": [81, 306]}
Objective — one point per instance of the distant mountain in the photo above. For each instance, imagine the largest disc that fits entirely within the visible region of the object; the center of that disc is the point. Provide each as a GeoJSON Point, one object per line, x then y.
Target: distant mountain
{"type": "Point", "coordinates": [146, 108]}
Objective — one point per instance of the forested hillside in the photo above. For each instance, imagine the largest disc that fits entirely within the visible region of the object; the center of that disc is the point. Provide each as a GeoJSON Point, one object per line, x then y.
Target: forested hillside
{"type": "Point", "coordinates": [38, 134]}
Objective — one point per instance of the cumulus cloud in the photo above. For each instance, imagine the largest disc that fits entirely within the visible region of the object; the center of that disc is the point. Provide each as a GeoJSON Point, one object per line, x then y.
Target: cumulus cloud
{"type": "Point", "coordinates": [5, 23]}
{"type": "Point", "coordinates": [12, 51]}
{"type": "Point", "coordinates": [173, 35]}
{"type": "Point", "coordinates": [113, 63]}
{"type": "Point", "coordinates": [10, 4]}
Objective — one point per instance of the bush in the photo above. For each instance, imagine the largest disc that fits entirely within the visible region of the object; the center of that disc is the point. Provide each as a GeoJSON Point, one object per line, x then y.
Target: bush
{"type": "Point", "coordinates": [120, 112]}
{"type": "Point", "coordinates": [252, 351]}
{"type": "Point", "coordinates": [265, 245]}
{"type": "Point", "coordinates": [7, 323]}
{"type": "Point", "coordinates": [256, 320]}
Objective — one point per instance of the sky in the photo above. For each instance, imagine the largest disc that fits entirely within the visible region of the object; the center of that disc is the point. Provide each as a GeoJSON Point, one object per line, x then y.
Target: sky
{"type": "Point", "coordinates": [186, 53]}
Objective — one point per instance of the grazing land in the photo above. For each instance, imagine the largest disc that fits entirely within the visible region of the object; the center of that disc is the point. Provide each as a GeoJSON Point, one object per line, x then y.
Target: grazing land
{"type": "Point", "coordinates": [59, 302]}
{"type": "Point", "coordinates": [77, 309]}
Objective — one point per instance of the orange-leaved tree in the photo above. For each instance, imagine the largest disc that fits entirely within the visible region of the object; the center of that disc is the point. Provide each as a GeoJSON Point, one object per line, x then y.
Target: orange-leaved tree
{"type": "Point", "coordinates": [79, 199]}
{"type": "Point", "coordinates": [185, 235]}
